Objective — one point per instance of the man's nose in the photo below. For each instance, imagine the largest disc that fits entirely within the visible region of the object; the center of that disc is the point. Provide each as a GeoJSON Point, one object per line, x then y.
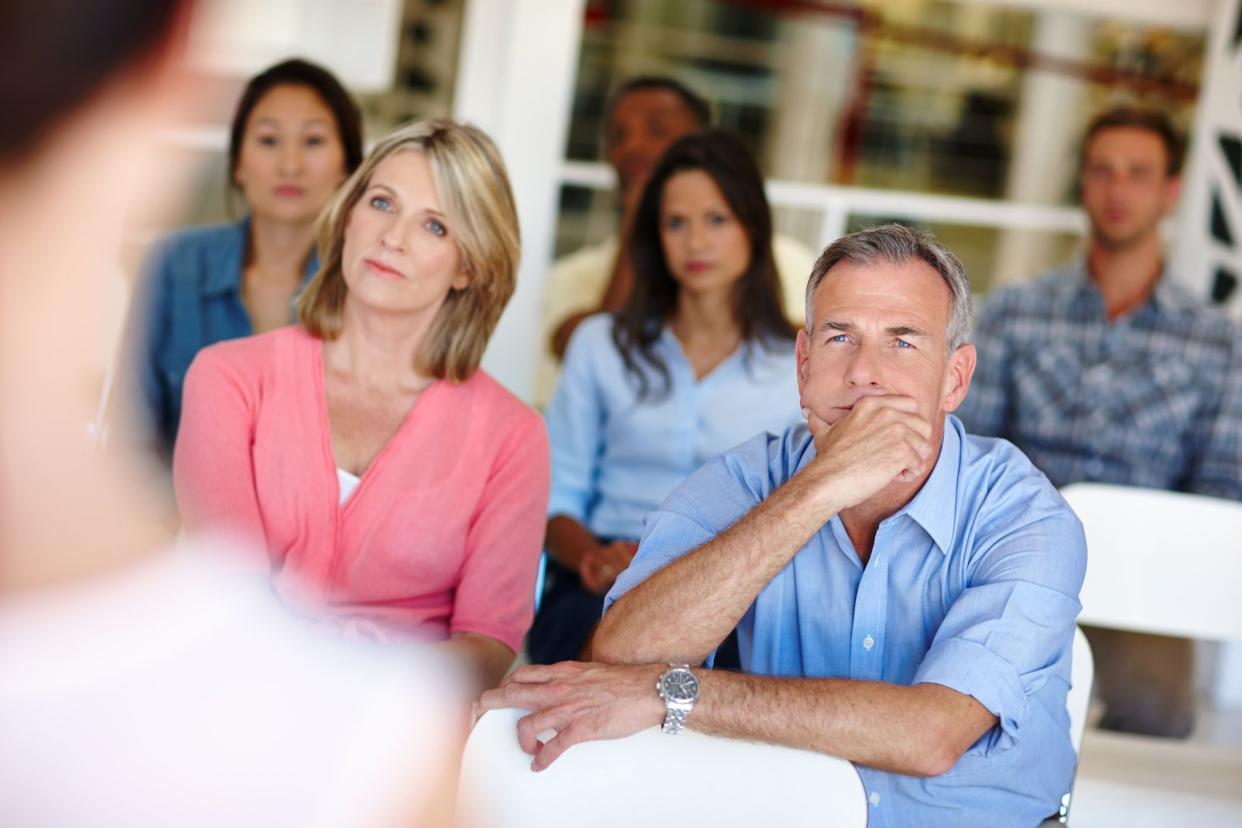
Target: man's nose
{"type": "Point", "coordinates": [863, 369]}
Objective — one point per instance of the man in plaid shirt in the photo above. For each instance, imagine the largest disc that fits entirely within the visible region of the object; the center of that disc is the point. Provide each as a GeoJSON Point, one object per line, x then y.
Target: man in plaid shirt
{"type": "Point", "coordinates": [1108, 370]}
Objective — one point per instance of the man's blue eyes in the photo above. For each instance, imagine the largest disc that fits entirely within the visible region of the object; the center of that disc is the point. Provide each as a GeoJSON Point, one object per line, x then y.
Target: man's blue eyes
{"type": "Point", "coordinates": [901, 344]}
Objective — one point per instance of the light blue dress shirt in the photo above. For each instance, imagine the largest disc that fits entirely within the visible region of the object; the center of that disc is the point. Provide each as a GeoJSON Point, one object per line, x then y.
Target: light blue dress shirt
{"type": "Point", "coordinates": [615, 457]}
{"type": "Point", "coordinates": [972, 585]}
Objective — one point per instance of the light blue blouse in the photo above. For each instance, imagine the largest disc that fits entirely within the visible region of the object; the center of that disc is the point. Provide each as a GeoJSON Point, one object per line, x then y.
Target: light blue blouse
{"type": "Point", "coordinates": [615, 457]}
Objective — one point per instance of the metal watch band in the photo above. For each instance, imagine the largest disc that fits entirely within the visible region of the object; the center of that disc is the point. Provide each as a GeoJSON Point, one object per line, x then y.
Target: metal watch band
{"type": "Point", "coordinates": [674, 719]}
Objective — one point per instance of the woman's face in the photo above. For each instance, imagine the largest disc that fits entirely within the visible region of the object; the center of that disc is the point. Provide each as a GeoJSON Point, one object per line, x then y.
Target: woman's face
{"type": "Point", "coordinates": [705, 246]}
{"type": "Point", "coordinates": [400, 254]}
{"type": "Point", "coordinates": [291, 159]}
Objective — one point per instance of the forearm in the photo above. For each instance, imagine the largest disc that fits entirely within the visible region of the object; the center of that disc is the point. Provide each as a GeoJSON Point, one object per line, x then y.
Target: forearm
{"type": "Point", "coordinates": [918, 731]}
{"type": "Point", "coordinates": [682, 612]}
{"type": "Point", "coordinates": [485, 659]}
{"type": "Point", "coordinates": [567, 541]}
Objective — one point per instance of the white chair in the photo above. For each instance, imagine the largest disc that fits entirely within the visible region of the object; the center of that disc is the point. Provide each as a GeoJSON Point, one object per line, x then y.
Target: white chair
{"type": "Point", "coordinates": [1160, 562]}
{"type": "Point", "coordinates": [1082, 675]}
{"type": "Point", "coordinates": [1164, 563]}
{"type": "Point", "coordinates": [651, 778]}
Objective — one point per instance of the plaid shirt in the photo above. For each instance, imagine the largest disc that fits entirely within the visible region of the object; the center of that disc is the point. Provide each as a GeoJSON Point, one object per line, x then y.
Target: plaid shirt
{"type": "Point", "coordinates": [1153, 399]}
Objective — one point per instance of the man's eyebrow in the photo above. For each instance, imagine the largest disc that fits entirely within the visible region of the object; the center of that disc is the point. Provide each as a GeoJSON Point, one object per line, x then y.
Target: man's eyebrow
{"type": "Point", "coordinates": [906, 330]}
{"type": "Point", "coordinates": [837, 325]}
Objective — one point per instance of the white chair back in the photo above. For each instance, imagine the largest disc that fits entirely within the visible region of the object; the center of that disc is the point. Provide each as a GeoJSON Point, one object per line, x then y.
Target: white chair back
{"type": "Point", "coordinates": [1160, 562]}
{"type": "Point", "coordinates": [1082, 674]}
{"type": "Point", "coordinates": [651, 778]}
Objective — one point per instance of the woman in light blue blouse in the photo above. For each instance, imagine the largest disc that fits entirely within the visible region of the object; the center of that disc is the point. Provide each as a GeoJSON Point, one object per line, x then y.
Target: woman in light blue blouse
{"type": "Point", "coordinates": [296, 136]}
{"type": "Point", "coordinates": [700, 359]}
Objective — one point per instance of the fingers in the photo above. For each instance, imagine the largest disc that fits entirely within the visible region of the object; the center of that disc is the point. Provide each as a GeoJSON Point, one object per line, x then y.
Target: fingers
{"type": "Point", "coordinates": [617, 556]}
{"type": "Point", "coordinates": [550, 750]}
{"type": "Point", "coordinates": [529, 727]}
{"type": "Point", "coordinates": [898, 402]}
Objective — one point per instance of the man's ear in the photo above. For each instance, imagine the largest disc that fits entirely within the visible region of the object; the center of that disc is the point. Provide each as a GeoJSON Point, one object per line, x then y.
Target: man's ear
{"type": "Point", "coordinates": [957, 378]}
{"type": "Point", "coordinates": [802, 349]}
{"type": "Point", "coordinates": [1172, 194]}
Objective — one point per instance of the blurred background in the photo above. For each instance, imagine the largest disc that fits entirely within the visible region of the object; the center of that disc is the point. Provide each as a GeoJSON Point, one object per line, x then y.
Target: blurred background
{"type": "Point", "coordinates": [961, 117]}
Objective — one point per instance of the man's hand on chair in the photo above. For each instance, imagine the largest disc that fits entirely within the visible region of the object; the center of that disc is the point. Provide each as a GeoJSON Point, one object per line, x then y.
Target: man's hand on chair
{"type": "Point", "coordinates": [581, 702]}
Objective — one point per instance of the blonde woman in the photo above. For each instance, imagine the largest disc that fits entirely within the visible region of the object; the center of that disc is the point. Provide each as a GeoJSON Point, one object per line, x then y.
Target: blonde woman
{"type": "Point", "coordinates": [392, 481]}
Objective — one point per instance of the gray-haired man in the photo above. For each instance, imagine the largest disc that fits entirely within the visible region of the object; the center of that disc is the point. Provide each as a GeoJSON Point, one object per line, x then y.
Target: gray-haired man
{"type": "Point", "coordinates": [904, 593]}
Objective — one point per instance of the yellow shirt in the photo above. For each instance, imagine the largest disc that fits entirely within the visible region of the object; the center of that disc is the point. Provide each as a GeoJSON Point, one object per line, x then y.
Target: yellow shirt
{"type": "Point", "coordinates": [577, 283]}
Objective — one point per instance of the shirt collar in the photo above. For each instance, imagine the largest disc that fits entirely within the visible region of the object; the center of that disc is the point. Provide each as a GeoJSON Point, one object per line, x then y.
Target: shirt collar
{"type": "Point", "coordinates": [934, 507]}
{"type": "Point", "coordinates": [1167, 295]}
{"type": "Point", "coordinates": [225, 262]}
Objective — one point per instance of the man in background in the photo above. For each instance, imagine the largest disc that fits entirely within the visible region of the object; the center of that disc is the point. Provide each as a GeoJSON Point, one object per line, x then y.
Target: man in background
{"type": "Point", "coordinates": [1108, 370]}
{"type": "Point", "coordinates": [643, 118]}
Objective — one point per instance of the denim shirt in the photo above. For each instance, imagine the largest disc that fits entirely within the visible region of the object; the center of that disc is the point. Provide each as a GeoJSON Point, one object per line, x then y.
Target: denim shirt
{"type": "Point", "coordinates": [189, 296]}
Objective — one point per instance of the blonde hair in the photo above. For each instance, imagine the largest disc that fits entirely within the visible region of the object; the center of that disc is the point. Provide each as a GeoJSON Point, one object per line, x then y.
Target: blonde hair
{"type": "Point", "coordinates": [473, 186]}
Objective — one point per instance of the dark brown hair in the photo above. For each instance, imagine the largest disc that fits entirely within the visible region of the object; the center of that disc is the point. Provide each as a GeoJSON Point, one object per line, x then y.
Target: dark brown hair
{"type": "Point", "coordinates": [694, 103]}
{"type": "Point", "coordinates": [323, 83]}
{"type": "Point", "coordinates": [1151, 120]}
{"type": "Point", "coordinates": [757, 304]}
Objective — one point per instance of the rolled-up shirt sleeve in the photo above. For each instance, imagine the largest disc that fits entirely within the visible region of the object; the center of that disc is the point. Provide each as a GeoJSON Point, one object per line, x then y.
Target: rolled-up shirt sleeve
{"type": "Point", "coordinates": [1003, 638]}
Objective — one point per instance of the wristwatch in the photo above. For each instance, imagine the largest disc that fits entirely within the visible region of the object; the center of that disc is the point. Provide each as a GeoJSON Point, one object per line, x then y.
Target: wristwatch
{"type": "Point", "coordinates": [680, 690]}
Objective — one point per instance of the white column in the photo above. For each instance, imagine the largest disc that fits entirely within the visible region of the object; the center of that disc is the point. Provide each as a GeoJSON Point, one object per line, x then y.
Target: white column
{"type": "Point", "coordinates": [515, 79]}
{"type": "Point", "coordinates": [1044, 156]}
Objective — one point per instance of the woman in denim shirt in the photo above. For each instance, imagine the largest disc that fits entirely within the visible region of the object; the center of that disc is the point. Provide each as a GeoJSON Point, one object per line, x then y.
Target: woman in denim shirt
{"type": "Point", "coordinates": [295, 137]}
{"type": "Point", "coordinates": [699, 359]}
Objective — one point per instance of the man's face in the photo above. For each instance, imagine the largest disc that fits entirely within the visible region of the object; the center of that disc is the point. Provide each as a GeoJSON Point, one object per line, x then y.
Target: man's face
{"type": "Point", "coordinates": [1126, 189]}
{"type": "Point", "coordinates": [879, 329]}
{"type": "Point", "coordinates": [642, 125]}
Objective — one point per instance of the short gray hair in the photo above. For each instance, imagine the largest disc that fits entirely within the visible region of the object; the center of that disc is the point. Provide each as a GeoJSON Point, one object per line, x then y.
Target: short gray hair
{"type": "Point", "coordinates": [897, 244]}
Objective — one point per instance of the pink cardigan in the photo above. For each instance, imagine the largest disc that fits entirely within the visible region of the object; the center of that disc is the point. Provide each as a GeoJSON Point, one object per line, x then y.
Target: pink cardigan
{"type": "Point", "coordinates": [444, 530]}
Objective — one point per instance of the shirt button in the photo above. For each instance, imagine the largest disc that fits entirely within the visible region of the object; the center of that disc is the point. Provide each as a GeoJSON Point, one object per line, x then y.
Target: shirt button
{"type": "Point", "coordinates": [868, 643]}
{"type": "Point", "coordinates": [1095, 469]}
{"type": "Point", "coordinates": [874, 799]}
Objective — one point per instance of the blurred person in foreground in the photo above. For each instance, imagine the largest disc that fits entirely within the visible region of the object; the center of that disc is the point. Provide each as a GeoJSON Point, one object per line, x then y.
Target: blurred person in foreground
{"type": "Point", "coordinates": [904, 593]}
{"type": "Point", "coordinates": [295, 137]}
{"type": "Point", "coordinates": [643, 118]}
{"type": "Point", "coordinates": [394, 483]}
{"type": "Point", "coordinates": [1108, 370]}
{"type": "Point", "coordinates": [143, 686]}
{"type": "Point", "coordinates": [699, 359]}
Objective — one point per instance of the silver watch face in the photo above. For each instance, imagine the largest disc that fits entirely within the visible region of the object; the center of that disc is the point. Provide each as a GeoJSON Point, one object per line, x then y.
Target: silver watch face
{"type": "Point", "coordinates": [680, 686]}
